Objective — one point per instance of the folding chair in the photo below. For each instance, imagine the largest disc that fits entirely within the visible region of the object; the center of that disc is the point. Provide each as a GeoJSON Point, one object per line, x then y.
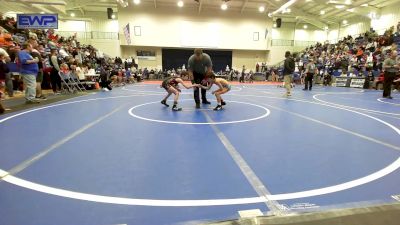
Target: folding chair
{"type": "Point", "coordinates": [75, 80]}
{"type": "Point", "coordinates": [249, 78]}
{"type": "Point", "coordinates": [67, 85]}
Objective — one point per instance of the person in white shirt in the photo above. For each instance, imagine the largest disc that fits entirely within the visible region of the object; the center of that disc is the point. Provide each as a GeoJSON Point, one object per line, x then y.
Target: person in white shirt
{"type": "Point", "coordinates": [79, 72]}
{"type": "Point", "coordinates": [91, 72]}
{"type": "Point", "coordinates": [311, 70]}
{"type": "Point", "coordinates": [55, 79]}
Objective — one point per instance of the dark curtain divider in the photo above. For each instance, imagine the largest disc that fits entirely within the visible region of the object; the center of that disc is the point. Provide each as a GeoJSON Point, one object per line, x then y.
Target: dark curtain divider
{"type": "Point", "coordinates": [174, 58]}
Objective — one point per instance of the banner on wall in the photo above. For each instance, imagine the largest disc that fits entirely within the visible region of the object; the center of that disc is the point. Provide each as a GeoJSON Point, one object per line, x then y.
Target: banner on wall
{"type": "Point", "coordinates": [146, 55]}
{"type": "Point", "coordinates": [127, 34]}
{"type": "Point", "coordinates": [37, 21]}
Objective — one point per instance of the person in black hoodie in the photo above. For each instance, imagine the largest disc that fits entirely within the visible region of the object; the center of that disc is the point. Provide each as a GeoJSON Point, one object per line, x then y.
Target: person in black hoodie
{"type": "Point", "coordinates": [288, 69]}
{"type": "Point", "coordinates": [3, 71]}
{"type": "Point", "coordinates": [104, 78]}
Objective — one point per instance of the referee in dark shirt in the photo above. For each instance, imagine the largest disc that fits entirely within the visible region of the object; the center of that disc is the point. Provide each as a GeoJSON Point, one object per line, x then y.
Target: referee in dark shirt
{"type": "Point", "coordinates": [199, 64]}
{"type": "Point", "coordinates": [391, 67]}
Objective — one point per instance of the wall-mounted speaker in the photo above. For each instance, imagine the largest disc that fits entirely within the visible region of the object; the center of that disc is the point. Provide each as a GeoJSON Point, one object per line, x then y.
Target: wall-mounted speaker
{"type": "Point", "coordinates": [109, 13]}
{"type": "Point", "coordinates": [278, 22]}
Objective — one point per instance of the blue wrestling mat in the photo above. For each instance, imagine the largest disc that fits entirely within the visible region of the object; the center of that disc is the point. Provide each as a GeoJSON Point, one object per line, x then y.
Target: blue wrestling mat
{"type": "Point", "coordinates": [121, 157]}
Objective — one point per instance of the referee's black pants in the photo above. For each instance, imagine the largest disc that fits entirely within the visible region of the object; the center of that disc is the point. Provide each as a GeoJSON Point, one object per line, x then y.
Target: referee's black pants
{"type": "Point", "coordinates": [197, 78]}
{"type": "Point", "coordinates": [308, 81]}
{"type": "Point", "coordinates": [388, 78]}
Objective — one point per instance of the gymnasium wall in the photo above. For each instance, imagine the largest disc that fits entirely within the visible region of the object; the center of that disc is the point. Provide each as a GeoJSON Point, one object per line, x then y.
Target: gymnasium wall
{"type": "Point", "coordinates": [285, 32]}
{"type": "Point", "coordinates": [277, 53]}
{"type": "Point", "coordinates": [310, 35]}
{"type": "Point", "coordinates": [288, 33]}
{"type": "Point", "coordinates": [390, 16]}
{"type": "Point", "coordinates": [355, 27]}
{"type": "Point", "coordinates": [291, 31]}
{"type": "Point", "coordinates": [130, 51]}
{"type": "Point", "coordinates": [248, 58]}
{"type": "Point", "coordinates": [179, 28]}
{"type": "Point", "coordinates": [72, 25]}
{"type": "Point", "coordinates": [98, 22]}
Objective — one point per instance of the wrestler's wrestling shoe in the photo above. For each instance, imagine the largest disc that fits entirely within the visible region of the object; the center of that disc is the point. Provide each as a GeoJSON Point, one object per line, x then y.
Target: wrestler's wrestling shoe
{"type": "Point", "coordinates": [218, 108]}
{"type": "Point", "coordinates": [175, 108]}
{"type": "Point", "coordinates": [164, 103]}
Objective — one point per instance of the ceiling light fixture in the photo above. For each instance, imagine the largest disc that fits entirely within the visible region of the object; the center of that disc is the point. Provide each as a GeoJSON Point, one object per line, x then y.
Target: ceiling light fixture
{"type": "Point", "coordinates": [113, 16]}
{"type": "Point", "coordinates": [72, 14]}
{"type": "Point", "coordinates": [284, 6]}
{"type": "Point", "coordinates": [136, 2]}
{"type": "Point", "coordinates": [305, 26]}
{"type": "Point", "coordinates": [261, 9]}
{"type": "Point", "coordinates": [322, 12]}
{"type": "Point", "coordinates": [345, 22]}
{"type": "Point", "coordinates": [339, 6]}
{"type": "Point", "coordinates": [224, 6]}
{"type": "Point", "coordinates": [180, 4]}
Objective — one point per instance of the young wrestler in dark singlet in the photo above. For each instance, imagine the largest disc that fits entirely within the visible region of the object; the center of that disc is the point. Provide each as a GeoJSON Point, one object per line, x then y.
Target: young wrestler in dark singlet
{"type": "Point", "coordinates": [171, 85]}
